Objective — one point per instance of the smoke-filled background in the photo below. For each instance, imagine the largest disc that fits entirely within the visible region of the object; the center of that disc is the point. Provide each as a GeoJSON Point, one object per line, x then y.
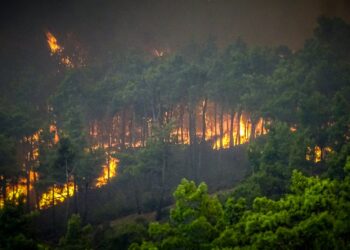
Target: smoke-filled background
{"type": "Point", "coordinates": [105, 25]}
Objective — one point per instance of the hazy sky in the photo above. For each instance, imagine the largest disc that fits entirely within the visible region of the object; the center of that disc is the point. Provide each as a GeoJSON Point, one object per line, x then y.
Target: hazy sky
{"type": "Point", "coordinates": [165, 23]}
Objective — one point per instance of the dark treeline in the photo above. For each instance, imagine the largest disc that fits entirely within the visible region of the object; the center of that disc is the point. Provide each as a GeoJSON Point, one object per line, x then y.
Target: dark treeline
{"type": "Point", "coordinates": [58, 127]}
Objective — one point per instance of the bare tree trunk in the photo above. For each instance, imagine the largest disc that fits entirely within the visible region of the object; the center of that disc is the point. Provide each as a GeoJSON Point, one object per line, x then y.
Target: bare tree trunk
{"type": "Point", "coordinates": [37, 200]}
{"type": "Point", "coordinates": [182, 124]}
{"type": "Point", "coordinates": [122, 134]}
{"type": "Point", "coordinates": [232, 116]}
{"type": "Point", "coordinates": [162, 184]}
{"type": "Point", "coordinates": [53, 209]}
{"type": "Point", "coordinates": [28, 187]}
{"type": "Point", "coordinates": [85, 214]}
{"type": "Point", "coordinates": [215, 114]}
{"type": "Point", "coordinates": [75, 196]}
{"type": "Point", "coordinates": [3, 187]}
{"type": "Point", "coordinates": [67, 188]}
{"type": "Point", "coordinates": [221, 126]}
{"type": "Point", "coordinates": [204, 128]}
{"type": "Point", "coordinates": [137, 199]}
{"type": "Point", "coordinates": [239, 114]}
{"type": "Point", "coordinates": [193, 141]}
{"type": "Point", "coordinates": [252, 133]}
{"type": "Point", "coordinates": [130, 128]}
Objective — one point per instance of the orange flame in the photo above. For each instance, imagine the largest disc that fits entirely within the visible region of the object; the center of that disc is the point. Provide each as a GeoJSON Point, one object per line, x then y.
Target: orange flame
{"type": "Point", "coordinates": [105, 176]}
{"type": "Point", "coordinates": [55, 48]}
{"type": "Point", "coordinates": [53, 129]}
{"type": "Point", "coordinates": [317, 154]}
{"type": "Point", "coordinates": [56, 194]}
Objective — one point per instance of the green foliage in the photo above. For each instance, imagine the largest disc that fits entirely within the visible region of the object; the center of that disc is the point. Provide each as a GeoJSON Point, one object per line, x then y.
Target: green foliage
{"type": "Point", "coordinates": [16, 227]}
{"type": "Point", "coordinates": [307, 90]}
{"type": "Point", "coordinates": [313, 216]}
{"type": "Point", "coordinates": [194, 222]}
{"type": "Point", "coordinates": [77, 237]}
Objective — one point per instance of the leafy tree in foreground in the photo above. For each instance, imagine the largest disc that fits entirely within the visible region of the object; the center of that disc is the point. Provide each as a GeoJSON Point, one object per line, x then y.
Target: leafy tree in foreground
{"type": "Point", "coordinates": [315, 215]}
{"type": "Point", "coordinates": [77, 237]}
{"type": "Point", "coordinates": [15, 226]}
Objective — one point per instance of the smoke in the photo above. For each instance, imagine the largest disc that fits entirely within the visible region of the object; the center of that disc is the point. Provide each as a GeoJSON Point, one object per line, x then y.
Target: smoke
{"type": "Point", "coordinates": [104, 26]}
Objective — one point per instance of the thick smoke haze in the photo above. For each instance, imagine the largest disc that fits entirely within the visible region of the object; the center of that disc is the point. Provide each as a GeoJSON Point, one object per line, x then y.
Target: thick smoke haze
{"type": "Point", "coordinates": [106, 25]}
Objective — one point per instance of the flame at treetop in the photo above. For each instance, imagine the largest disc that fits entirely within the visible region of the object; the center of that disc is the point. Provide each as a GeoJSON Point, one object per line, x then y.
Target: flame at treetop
{"type": "Point", "coordinates": [53, 44]}
{"type": "Point", "coordinates": [56, 49]}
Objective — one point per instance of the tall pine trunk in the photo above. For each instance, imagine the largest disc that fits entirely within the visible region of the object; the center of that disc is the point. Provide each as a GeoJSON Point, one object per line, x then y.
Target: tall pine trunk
{"type": "Point", "coordinates": [221, 126]}
{"type": "Point", "coordinates": [204, 128]}
{"type": "Point", "coordinates": [232, 116]}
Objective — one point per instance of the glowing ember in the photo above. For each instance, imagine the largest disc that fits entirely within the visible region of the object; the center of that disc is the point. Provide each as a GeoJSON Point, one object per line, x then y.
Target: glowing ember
{"type": "Point", "coordinates": [293, 129]}
{"type": "Point", "coordinates": [160, 52]}
{"type": "Point", "coordinates": [318, 154]}
{"type": "Point", "coordinates": [105, 176]}
{"type": "Point", "coordinates": [53, 129]}
{"type": "Point", "coordinates": [67, 61]}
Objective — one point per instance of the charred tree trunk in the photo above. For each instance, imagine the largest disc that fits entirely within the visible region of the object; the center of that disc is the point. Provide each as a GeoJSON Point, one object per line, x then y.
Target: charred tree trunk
{"type": "Point", "coordinates": [232, 116]}
{"type": "Point", "coordinates": [53, 210]}
{"type": "Point", "coordinates": [131, 134]}
{"type": "Point", "coordinates": [75, 196]}
{"type": "Point", "coordinates": [215, 130]}
{"type": "Point", "coordinates": [193, 141]}
{"type": "Point", "coordinates": [28, 187]}
{"type": "Point", "coordinates": [252, 131]}
{"type": "Point", "coordinates": [239, 114]}
{"type": "Point", "coordinates": [68, 196]}
{"type": "Point", "coordinates": [137, 199]}
{"type": "Point", "coordinates": [122, 134]}
{"type": "Point", "coordinates": [182, 124]}
{"type": "Point", "coordinates": [204, 128]}
{"type": "Point", "coordinates": [3, 187]}
{"type": "Point", "coordinates": [221, 127]}
{"type": "Point", "coordinates": [85, 214]}
{"type": "Point", "coordinates": [37, 200]}
{"type": "Point", "coordinates": [162, 183]}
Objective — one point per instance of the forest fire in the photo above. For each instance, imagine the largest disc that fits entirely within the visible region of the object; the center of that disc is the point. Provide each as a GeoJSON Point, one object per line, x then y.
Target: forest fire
{"type": "Point", "coordinates": [220, 129]}
{"type": "Point", "coordinates": [56, 194]}
{"type": "Point", "coordinates": [108, 172]}
{"type": "Point", "coordinates": [53, 44]}
{"type": "Point", "coordinates": [317, 154]}
{"type": "Point", "coordinates": [160, 52]}
{"type": "Point", "coordinates": [56, 49]}
{"type": "Point", "coordinates": [53, 129]}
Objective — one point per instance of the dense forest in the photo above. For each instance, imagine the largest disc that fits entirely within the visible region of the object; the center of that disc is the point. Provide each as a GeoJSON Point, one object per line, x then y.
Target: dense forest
{"type": "Point", "coordinates": [205, 147]}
